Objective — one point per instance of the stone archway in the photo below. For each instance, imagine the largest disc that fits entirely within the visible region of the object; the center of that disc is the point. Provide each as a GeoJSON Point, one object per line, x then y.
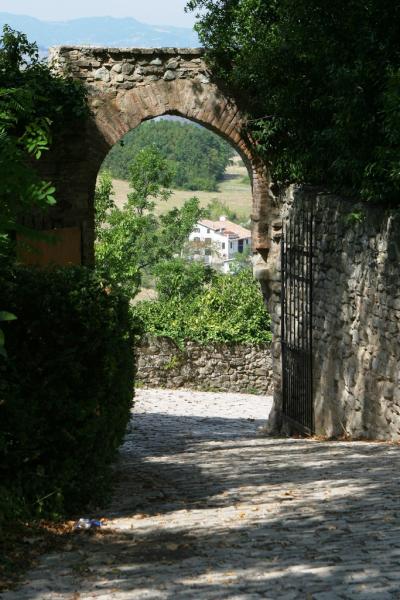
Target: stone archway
{"type": "Point", "coordinates": [126, 87]}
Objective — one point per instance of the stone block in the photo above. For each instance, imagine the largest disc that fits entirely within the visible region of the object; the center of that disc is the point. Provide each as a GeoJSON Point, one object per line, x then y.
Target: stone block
{"type": "Point", "coordinates": [127, 68]}
{"type": "Point", "coordinates": [202, 78]}
{"type": "Point", "coordinates": [102, 74]}
{"type": "Point", "coordinates": [172, 64]}
{"type": "Point", "coordinates": [169, 75]}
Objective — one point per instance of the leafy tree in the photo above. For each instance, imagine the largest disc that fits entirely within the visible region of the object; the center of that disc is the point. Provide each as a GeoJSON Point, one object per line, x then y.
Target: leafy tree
{"type": "Point", "coordinates": [103, 199]}
{"type": "Point", "coordinates": [197, 157]}
{"type": "Point", "coordinates": [322, 82]}
{"type": "Point", "coordinates": [180, 279]}
{"type": "Point", "coordinates": [228, 308]}
{"type": "Point", "coordinates": [133, 239]}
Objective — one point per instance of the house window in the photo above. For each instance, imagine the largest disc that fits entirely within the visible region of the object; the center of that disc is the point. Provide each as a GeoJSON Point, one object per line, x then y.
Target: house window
{"type": "Point", "coordinates": [247, 241]}
{"type": "Point", "coordinates": [207, 241]}
{"type": "Point", "coordinates": [196, 230]}
{"type": "Point", "coordinates": [207, 251]}
{"type": "Point", "coordinates": [208, 231]}
{"type": "Point", "coordinates": [231, 245]}
{"type": "Point", "coordinates": [223, 245]}
{"type": "Point", "coordinates": [196, 239]}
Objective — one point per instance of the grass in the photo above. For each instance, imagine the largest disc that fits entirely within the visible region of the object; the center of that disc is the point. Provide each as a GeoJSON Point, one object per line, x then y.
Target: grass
{"type": "Point", "coordinates": [234, 191]}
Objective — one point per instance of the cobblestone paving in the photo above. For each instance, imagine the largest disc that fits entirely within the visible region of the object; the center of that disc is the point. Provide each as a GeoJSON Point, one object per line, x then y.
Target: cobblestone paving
{"type": "Point", "coordinates": [206, 509]}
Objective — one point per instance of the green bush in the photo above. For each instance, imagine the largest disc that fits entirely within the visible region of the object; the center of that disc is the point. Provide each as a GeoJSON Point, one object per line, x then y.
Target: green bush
{"type": "Point", "coordinates": [229, 308]}
{"type": "Point", "coordinates": [66, 389]}
{"type": "Point", "coordinates": [321, 81]}
{"type": "Point", "coordinates": [181, 279]}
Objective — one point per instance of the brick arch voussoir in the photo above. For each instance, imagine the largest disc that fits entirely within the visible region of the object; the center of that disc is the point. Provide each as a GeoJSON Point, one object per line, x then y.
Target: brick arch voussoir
{"type": "Point", "coordinates": [116, 115]}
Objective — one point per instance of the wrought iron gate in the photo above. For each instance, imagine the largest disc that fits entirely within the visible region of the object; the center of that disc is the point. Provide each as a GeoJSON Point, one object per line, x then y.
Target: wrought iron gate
{"type": "Point", "coordinates": [296, 320]}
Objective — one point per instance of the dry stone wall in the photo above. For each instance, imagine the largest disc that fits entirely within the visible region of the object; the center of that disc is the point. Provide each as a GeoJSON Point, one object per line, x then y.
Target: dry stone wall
{"type": "Point", "coordinates": [126, 68]}
{"type": "Point", "coordinates": [356, 324]}
{"type": "Point", "coordinates": [222, 367]}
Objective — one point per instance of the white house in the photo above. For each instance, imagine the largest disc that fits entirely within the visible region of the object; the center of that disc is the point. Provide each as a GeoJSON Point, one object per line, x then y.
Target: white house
{"type": "Point", "coordinates": [217, 242]}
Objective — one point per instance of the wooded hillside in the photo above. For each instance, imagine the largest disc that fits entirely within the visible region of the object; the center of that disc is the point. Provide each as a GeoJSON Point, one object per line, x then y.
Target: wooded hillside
{"type": "Point", "coordinates": [198, 156]}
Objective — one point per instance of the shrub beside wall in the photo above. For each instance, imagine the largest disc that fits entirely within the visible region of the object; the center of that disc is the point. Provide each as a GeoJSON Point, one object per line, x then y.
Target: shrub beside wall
{"type": "Point", "coordinates": [205, 333]}
{"type": "Point", "coordinates": [66, 388]}
{"type": "Point", "coordinates": [229, 309]}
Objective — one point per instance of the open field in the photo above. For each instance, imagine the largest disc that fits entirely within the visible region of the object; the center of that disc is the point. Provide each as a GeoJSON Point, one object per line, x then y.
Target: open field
{"type": "Point", "coordinates": [232, 191]}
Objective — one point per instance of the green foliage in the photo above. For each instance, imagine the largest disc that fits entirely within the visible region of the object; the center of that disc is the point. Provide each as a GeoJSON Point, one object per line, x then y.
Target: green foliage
{"type": "Point", "coordinates": [322, 81]}
{"type": "Point", "coordinates": [103, 199]}
{"type": "Point", "coordinates": [133, 239]}
{"type": "Point", "coordinates": [173, 363]}
{"type": "Point", "coordinates": [150, 176]}
{"type": "Point", "coordinates": [216, 208]}
{"type": "Point", "coordinates": [229, 308]}
{"type": "Point", "coordinates": [356, 216]}
{"type": "Point", "coordinates": [33, 103]}
{"type": "Point", "coordinates": [197, 157]}
{"type": "Point", "coordinates": [65, 390]}
{"type": "Point", "coordinates": [180, 279]}
{"type": "Point", "coordinates": [46, 95]}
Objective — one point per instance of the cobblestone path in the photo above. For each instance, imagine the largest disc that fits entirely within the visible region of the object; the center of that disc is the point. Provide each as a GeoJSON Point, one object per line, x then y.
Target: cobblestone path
{"type": "Point", "coordinates": [205, 509]}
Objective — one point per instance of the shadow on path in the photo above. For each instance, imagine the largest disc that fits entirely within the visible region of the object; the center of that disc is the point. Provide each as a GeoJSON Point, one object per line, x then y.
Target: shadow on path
{"type": "Point", "coordinates": [206, 509]}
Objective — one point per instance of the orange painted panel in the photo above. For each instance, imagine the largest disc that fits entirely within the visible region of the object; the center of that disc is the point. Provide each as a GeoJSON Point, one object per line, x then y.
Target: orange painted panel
{"type": "Point", "coordinates": [63, 249]}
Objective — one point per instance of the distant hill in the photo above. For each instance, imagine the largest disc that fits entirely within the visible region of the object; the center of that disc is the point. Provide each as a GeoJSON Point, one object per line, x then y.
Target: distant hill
{"type": "Point", "coordinates": [99, 31]}
{"type": "Point", "coordinates": [198, 157]}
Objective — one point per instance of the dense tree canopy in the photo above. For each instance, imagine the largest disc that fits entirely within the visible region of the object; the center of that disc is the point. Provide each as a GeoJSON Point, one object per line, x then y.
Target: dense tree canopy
{"type": "Point", "coordinates": [322, 81]}
{"type": "Point", "coordinates": [198, 157]}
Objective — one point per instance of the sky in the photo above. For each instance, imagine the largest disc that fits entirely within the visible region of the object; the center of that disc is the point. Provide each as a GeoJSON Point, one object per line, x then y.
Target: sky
{"type": "Point", "coordinates": [155, 12]}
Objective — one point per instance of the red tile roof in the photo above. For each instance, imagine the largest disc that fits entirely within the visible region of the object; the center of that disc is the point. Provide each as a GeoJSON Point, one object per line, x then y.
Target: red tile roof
{"type": "Point", "coordinates": [226, 228]}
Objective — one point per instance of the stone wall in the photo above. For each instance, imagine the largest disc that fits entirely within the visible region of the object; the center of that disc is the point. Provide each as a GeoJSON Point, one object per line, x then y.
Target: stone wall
{"type": "Point", "coordinates": [223, 367]}
{"type": "Point", "coordinates": [356, 324]}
